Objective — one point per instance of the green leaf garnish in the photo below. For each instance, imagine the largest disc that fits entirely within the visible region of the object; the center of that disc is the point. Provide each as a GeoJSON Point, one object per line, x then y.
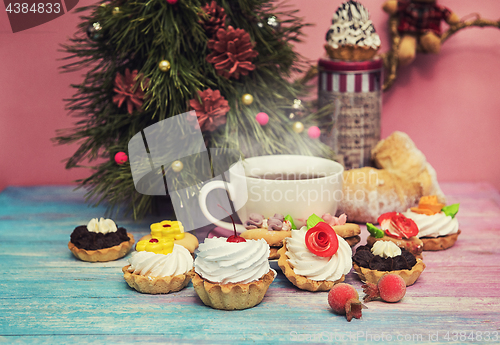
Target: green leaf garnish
{"type": "Point", "coordinates": [451, 210]}
{"type": "Point", "coordinates": [374, 231]}
{"type": "Point", "coordinates": [313, 220]}
{"type": "Point", "coordinates": [290, 219]}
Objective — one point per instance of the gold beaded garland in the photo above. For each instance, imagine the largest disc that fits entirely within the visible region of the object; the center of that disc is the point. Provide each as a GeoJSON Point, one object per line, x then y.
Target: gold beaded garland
{"type": "Point", "coordinates": [247, 99]}
{"type": "Point", "coordinates": [164, 65]}
{"type": "Point", "coordinates": [298, 127]}
{"type": "Point", "coordinates": [177, 166]}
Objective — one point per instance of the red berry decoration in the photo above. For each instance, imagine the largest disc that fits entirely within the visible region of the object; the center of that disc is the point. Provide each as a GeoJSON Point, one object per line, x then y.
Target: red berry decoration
{"type": "Point", "coordinates": [322, 240]}
{"type": "Point", "coordinates": [233, 238]}
{"type": "Point", "coordinates": [121, 158]}
{"type": "Point", "coordinates": [397, 225]}
{"type": "Point", "coordinates": [314, 132]}
{"type": "Point", "coordinates": [262, 118]}
{"type": "Point", "coordinates": [390, 288]}
{"type": "Point", "coordinates": [344, 300]}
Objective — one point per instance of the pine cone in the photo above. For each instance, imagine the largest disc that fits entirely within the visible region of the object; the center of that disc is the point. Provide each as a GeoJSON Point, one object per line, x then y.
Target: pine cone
{"type": "Point", "coordinates": [211, 112]}
{"type": "Point", "coordinates": [216, 19]}
{"type": "Point", "coordinates": [232, 52]}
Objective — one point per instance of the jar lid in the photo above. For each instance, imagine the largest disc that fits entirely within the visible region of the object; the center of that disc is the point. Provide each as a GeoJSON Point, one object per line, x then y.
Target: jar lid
{"type": "Point", "coordinates": [349, 66]}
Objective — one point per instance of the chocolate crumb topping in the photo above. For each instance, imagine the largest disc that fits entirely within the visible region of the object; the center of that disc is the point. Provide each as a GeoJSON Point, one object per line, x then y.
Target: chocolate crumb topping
{"type": "Point", "coordinates": [365, 258]}
{"type": "Point", "coordinates": [84, 239]}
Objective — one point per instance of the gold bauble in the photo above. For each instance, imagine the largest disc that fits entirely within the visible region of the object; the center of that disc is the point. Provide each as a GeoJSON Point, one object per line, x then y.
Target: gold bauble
{"type": "Point", "coordinates": [116, 10]}
{"type": "Point", "coordinates": [247, 99]}
{"type": "Point", "coordinates": [177, 166]}
{"type": "Point", "coordinates": [298, 127]}
{"type": "Point", "coordinates": [164, 65]}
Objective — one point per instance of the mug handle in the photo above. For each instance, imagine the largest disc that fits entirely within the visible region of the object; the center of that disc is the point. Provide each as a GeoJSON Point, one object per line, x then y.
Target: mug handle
{"type": "Point", "coordinates": [202, 199]}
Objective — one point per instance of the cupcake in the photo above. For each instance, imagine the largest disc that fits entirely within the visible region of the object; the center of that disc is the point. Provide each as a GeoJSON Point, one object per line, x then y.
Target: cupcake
{"type": "Point", "coordinates": [315, 259]}
{"type": "Point", "coordinates": [436, 222]}
{"type": "Point", "coordinates": [396, 228]}
{"type": "Point", "coordinates": [384, 257]}
{"type": "Point", "coordinates": [170, 230]}
{"type": "Point", "coordinates": [232, 273]}
{"type": "Point", "coordinates": [352, 36]}
{"type": "Point", "coordinates": [272, 230]}
{"type": "Point", "coordinates": [100, 241]}
{"type": "Point", "coordinates": [160, 268]}
{"type": "Point", "coordinates": [348, 231]}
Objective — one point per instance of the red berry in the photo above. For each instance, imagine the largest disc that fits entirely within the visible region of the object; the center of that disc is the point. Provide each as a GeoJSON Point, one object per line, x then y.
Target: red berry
{"type": "Point", "coordinates": [390, 288]}
{"type": "Point", "coordinates": [235, 239]}
{"type": "Point", "coordinates": [344, 300]}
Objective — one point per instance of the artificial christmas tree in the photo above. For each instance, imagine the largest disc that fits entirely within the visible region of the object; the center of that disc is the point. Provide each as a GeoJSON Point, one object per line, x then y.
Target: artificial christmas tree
{"type": "Point", "coordinates": [229, 60]}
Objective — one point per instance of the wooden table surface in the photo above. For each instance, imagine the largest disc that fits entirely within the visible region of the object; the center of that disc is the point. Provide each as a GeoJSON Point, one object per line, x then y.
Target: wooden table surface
{"type": "Point", "coordinates": [48, 296]}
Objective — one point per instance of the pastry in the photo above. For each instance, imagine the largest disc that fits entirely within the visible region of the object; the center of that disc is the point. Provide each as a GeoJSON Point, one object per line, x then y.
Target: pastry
{"type": "Point", "coordinates": [232, 273]}
{"type": "Point", "coordinates": [348, 231]}
{"type": "Point", "coordinates": [437, 225]}
{"type": "Point", "coordinates": [398, 229]}
{"type": "Point", "coordinates": [161, 268]}
{"type": "Point", "coordinates": [401, 178]}
{"type": "Point", "coordinates": [384, 257]}
{"type": "Point", "coordinates": [273, 230]}
{"type": "Point", "coordinates": [315, 259]}
{"type": "Point", "coordinates": [352, 36]}
{"type": "Point", "coordinates": [100, 241]}
{"type": "Point", "coordinates": [170, 229]}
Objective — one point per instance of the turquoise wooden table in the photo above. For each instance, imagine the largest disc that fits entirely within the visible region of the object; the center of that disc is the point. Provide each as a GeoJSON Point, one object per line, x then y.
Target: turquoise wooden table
{"type": "Point", "coordinates": [48, 296]}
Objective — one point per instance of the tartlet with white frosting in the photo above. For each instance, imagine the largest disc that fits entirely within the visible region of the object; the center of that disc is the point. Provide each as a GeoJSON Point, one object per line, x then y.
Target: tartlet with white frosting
{"type": "Point", "coordinates": [232, 275]}
{"type": "Point", "coordinates": [314, 272]}
{"type": "Point", "coordinates": [100, 241]}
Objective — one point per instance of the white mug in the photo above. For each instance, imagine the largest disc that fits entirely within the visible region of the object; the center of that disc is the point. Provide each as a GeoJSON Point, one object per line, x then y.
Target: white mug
{"type": "Point", "coordinates": [286, 184]}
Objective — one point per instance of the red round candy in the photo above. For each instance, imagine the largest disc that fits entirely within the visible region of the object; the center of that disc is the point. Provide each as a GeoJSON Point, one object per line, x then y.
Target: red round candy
{"type": "Point", "coordinates": [121, 158]}
{"type": "Point", "coordinates": [314, 132]}
{"type": "Point", "coordinates": [322, 240]}
{"type": "Point", "coordinates": [262, 118]}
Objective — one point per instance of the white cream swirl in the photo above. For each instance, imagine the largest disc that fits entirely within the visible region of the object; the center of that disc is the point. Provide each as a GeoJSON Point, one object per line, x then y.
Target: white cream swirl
{"type": "Point", "coordinates": [102, 225]}
{"type": "Point", "coordinates": [385, 249]}
{"type": "Point", "coordinates": [316, 267]}
{"type": "Point", "coordinates": [351, 25]}
{"type": "Point", "coordinates": [435, 225]}
{"type": "Point", "coordinates": [225, 262]}
{"type": "Point", "coordinates": [145, 263]}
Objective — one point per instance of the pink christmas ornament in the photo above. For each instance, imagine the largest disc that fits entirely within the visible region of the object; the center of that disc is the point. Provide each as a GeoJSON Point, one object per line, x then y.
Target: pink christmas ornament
{"type": "Point", "coordinates": [313, 132]}
{"type": "Point", "coordinates": [262, 119]}
{"type": "Point", "coordinates": [172, 2]}
{"type": "Point", "coordinates": [121, 158]}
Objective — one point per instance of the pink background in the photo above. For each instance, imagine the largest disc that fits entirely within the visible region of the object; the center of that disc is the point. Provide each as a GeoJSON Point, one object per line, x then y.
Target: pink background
{"type": "Point", "coordinates": [449, 104]}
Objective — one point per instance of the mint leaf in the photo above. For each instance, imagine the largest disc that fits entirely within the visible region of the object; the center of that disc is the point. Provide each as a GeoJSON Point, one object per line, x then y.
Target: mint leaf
{"type": "Point", "coordinates": [313, 220]}
{"type": "Point", "coordinates": [451, 210]}
{"type": "Point", "coordinates": [374, 231]}
{"type": "Point", "coordinates": [290, 219]}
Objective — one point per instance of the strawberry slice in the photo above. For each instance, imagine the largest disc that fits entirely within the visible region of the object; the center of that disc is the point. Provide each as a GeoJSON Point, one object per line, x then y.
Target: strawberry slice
{"type": "Point", "coordinates": [397, 225]}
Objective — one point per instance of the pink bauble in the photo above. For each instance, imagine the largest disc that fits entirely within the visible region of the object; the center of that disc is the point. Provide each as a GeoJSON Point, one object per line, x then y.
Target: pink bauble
{"type": "Point", "coordinates": [262, 119]}
{"type": "Point", "coordinates": [313, 132]}
{"type": "Point", "coordinates": [172, 2]}
{"type": "Point", "coordinates": [121, 158]}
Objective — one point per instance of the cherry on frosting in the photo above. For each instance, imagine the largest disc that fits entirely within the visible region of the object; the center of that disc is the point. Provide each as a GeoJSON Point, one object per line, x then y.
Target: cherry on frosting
{"type": "Point", "coordinates": [233, 238]}
{"type": "Point", "coordinates": [153, 240]}
{"type": "Point", "coordinates": [167, 225]}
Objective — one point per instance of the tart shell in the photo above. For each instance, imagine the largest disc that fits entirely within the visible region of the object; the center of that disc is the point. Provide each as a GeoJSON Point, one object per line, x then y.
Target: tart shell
{"type": "Point", "coordinates": [302, 282]}
{"type": "Point", "coordinates": [350, 52]}
{"type": "Point", "coordinates": [155, 285]}
{"type": "Point", "coordinates": [105, 254]}
{"type": "Point", "coordinates": [373, 276]}
{"type": "Point", "coordinates": [232, 296]}
{"type": "Point", "coordinates": [439, 243]}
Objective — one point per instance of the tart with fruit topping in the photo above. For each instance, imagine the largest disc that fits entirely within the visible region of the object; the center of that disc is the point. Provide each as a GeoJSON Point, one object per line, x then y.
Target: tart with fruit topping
{"type": "Point", "coordinates": [100, 240]}
{"type": "Point", "coordinates": [397, 228]}
{"type": "Point", "coordinates": [373, 262]}
{"type": "Point", "coordinates": [159, 266]}
{"type": "Point", "coordinates": [437, 225]}
{"type": "Point", "coordinates": [273, 230]}
{"type": "Point", "coordinates": [315, 258]}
